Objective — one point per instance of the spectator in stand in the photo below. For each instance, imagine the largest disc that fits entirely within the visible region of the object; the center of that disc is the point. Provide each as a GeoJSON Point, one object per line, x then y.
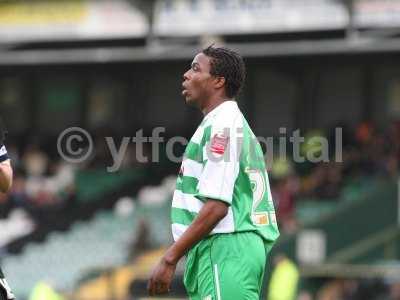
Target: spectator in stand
{"type": "Point", "coordinates": [284, 188]}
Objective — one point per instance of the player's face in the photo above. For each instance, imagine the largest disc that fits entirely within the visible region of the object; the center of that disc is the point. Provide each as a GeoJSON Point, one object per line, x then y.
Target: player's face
{"type": "Point", "coordinates": [197, 81]}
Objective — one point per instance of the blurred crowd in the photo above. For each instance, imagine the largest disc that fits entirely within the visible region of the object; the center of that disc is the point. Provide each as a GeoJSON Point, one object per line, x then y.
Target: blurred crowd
{"type": "Point", "coordinates": [368, 152]}
{"type": "Point", "coordinates": [287, 284]}
{"type": "Point", "coordinates": [40, 180]}
{"type": "Point", "coordinates": [43, 181]}
{"type": "Point", "coordinates": [357, 289]}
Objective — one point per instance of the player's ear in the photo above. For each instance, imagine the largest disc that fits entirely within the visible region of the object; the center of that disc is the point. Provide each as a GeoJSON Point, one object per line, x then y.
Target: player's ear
{"type": "Point", "coordinates": [219, 82]}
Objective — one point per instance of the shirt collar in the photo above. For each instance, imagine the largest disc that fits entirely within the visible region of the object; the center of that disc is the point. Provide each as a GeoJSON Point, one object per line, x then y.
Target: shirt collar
{"type": "Point", "coordinates": [222, 106]}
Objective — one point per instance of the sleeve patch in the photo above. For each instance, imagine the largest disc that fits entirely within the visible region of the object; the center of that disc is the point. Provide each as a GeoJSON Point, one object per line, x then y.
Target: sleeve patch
{"type": "Point", "coordinates": [219, 143]}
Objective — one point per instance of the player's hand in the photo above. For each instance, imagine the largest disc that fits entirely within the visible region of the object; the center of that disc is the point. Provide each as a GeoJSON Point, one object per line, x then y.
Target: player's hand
{"type": "Point", "coordinates": [161, 278]}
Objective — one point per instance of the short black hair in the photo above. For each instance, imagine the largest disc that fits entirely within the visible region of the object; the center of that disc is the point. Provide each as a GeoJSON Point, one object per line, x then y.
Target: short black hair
{"type": "Point", "coordinates": [228, 64]}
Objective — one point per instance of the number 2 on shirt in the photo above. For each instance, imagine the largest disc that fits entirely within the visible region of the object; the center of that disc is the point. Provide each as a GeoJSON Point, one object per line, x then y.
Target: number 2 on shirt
{"type": "Point", "coordinates": [259, 188]}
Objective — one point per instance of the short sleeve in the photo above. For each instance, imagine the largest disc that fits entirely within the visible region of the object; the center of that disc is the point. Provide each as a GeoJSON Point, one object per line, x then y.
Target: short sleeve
{"type": "Point", "coordinates": [221, 153]}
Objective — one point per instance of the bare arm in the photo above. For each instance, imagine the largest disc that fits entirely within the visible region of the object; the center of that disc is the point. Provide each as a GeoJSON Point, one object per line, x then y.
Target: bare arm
{"type": "Point", "coordinates": [211, 213]}
{"type": "Point", "coordinates": [6, 175]}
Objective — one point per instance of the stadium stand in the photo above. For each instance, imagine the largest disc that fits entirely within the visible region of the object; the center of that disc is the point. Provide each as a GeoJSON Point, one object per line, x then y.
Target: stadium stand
{"type": "Point", "coordinates": [315, 65]}
{"type": "Point", "coordinates": [109, 239]}
{"type": "Point", "coordinates": [84, 247]}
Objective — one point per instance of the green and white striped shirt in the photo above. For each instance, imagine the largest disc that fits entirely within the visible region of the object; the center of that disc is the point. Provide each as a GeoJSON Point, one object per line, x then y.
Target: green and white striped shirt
{"type": "Point", "coordinates": [224, 161]}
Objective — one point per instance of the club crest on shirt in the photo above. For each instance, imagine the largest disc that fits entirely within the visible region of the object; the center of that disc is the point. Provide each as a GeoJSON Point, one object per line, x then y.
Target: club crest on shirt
{"type": "Point", "coordinates": [219, 143]}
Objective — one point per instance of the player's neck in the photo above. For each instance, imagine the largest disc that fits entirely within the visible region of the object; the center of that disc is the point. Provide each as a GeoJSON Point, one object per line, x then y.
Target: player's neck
{"type": "Point", "coordinates": [213, 103]}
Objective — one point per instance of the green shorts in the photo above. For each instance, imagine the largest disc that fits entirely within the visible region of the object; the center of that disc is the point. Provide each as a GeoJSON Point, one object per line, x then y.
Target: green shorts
{"type": "Point", "coordinates": [226, 267]}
